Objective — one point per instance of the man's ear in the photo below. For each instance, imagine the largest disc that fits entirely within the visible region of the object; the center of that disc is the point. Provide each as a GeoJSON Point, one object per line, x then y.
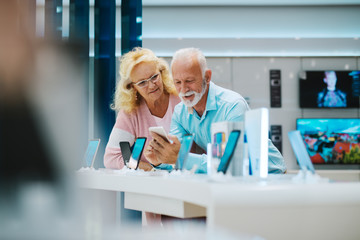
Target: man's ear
{"type": "Point", "coordinates": [208, 74]}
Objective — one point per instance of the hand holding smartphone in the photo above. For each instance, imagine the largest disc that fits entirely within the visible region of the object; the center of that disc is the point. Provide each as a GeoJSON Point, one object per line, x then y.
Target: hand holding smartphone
{"type": "Point", "coordinates": [161, 131]}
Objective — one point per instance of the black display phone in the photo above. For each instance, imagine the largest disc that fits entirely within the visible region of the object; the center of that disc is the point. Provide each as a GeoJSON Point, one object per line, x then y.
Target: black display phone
{"type": "Point", "coordinates": [229, 151]}
{"type": "Point", "coordinates": [137, 152]}
{"type": "Point", "coordinates": [186, 144]}
{"type": "Point", "coordinates": [125, 151]}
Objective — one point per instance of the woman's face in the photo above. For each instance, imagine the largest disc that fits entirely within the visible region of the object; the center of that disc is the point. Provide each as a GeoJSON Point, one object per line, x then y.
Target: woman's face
{"type": "Point", "coordinates": [146, 79]}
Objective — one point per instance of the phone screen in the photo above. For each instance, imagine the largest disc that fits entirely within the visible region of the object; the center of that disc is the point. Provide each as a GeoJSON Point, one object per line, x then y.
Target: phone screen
{"type": "Point", "coordinates": [137, 151]}
{"type": "Point", "coordinates": [90, 153]}
{"type": "Point", "coordinates": [125, 151]}
{"type": "Point", "coordinates": [229, 151]}
{"type": "Point", "coordinates": [186, 144]}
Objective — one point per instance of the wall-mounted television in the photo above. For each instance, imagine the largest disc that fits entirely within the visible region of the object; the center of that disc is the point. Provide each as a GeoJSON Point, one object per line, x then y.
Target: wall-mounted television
{"type": "Point", "coordinates": [330, 140]}
{"type": "Point", "coordinates": [329, 89]}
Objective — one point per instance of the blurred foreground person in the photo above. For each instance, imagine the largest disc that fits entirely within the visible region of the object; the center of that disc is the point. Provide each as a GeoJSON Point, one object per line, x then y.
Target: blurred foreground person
{"type": "Point", "coordinates": [23, 155]}
{"type": "Point", "coordinates": [41, 129]}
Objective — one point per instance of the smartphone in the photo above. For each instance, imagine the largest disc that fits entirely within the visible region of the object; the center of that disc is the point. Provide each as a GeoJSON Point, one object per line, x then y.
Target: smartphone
{"type": "Point", "coordinates": [137, 152]}
{"type": "Point", "coordinates": [186, 144]}
{"type": "Point", "coordinates": [125, 151]}
{"type": "Point", "coordinates": [161, 131]}
{"type": "Point", "coordinates": [229, 151]}
{"type": "Point", "coordinates": [90, 154]}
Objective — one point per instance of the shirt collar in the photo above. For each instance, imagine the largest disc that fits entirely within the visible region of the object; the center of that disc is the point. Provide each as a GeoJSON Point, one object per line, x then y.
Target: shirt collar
{"type": "Point", "coordinates": [211, 100]}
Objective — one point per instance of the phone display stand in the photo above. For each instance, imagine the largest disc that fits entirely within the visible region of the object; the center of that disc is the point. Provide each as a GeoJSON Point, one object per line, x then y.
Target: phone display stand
{"type": "Point", "coordinates": [236, 164]}
{"type": "Point", "coordinates": [257, 136]}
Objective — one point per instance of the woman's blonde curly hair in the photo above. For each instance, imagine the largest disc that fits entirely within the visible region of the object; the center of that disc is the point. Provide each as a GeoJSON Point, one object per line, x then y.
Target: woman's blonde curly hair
{"type": "Point", "coordinates": [126, 97]}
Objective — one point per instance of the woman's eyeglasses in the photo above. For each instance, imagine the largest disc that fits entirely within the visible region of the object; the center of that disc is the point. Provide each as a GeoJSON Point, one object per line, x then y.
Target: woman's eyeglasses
{"type": "Point", "coordinates": [144, 83]}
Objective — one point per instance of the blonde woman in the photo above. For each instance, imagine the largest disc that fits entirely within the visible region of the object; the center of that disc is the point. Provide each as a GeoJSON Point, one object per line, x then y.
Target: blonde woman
{"type": "Point", "coordinates": [145, 96]}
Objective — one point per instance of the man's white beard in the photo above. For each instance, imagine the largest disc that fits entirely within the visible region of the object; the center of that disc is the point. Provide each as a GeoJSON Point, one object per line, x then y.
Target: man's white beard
{"type": "Point", "coordinates": [197, 97]}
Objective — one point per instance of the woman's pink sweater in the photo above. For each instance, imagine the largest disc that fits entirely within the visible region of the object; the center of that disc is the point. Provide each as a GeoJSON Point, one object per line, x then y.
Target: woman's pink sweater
{"type": "Point", "coordinates": [128, 127]}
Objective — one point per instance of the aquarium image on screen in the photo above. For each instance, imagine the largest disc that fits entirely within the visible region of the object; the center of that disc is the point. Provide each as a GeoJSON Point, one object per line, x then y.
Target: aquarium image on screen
{"type": "Point", "coordinates": [331, 141]}
{"type": "Point", "coordinates": [329, 89]}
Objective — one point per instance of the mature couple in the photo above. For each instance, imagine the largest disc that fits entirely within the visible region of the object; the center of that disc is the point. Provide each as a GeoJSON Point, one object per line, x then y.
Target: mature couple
{"type": "Point", "coordinates": [147, 95]}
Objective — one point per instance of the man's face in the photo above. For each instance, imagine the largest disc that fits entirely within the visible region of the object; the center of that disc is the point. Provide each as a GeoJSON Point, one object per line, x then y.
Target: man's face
{"type": "Point", "coordinates": [330, 80]}
{"type": "Point", "coordinates": [188, 81]}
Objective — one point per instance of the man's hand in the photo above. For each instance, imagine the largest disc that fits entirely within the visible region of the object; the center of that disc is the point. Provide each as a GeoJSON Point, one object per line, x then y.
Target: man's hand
{"type": "Point", "coordinates": [161, 151]}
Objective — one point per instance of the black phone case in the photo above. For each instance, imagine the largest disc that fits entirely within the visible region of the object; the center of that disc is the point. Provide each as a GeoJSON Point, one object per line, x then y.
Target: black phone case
{"type": "Point", "coordinates": [125, 151]}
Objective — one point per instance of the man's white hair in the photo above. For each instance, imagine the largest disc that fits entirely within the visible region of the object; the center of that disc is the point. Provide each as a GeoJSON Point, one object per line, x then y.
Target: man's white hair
{"type": "Point", "coordinates": [186, 54]}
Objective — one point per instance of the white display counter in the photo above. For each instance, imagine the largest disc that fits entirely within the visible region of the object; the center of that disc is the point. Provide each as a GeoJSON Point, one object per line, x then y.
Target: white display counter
{"type": "Point", "coordinates": [274, 209]}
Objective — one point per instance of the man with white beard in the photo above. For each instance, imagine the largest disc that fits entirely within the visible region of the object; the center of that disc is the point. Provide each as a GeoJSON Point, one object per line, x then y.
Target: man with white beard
{"type": "Point", "coordinates": [202, 103]}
